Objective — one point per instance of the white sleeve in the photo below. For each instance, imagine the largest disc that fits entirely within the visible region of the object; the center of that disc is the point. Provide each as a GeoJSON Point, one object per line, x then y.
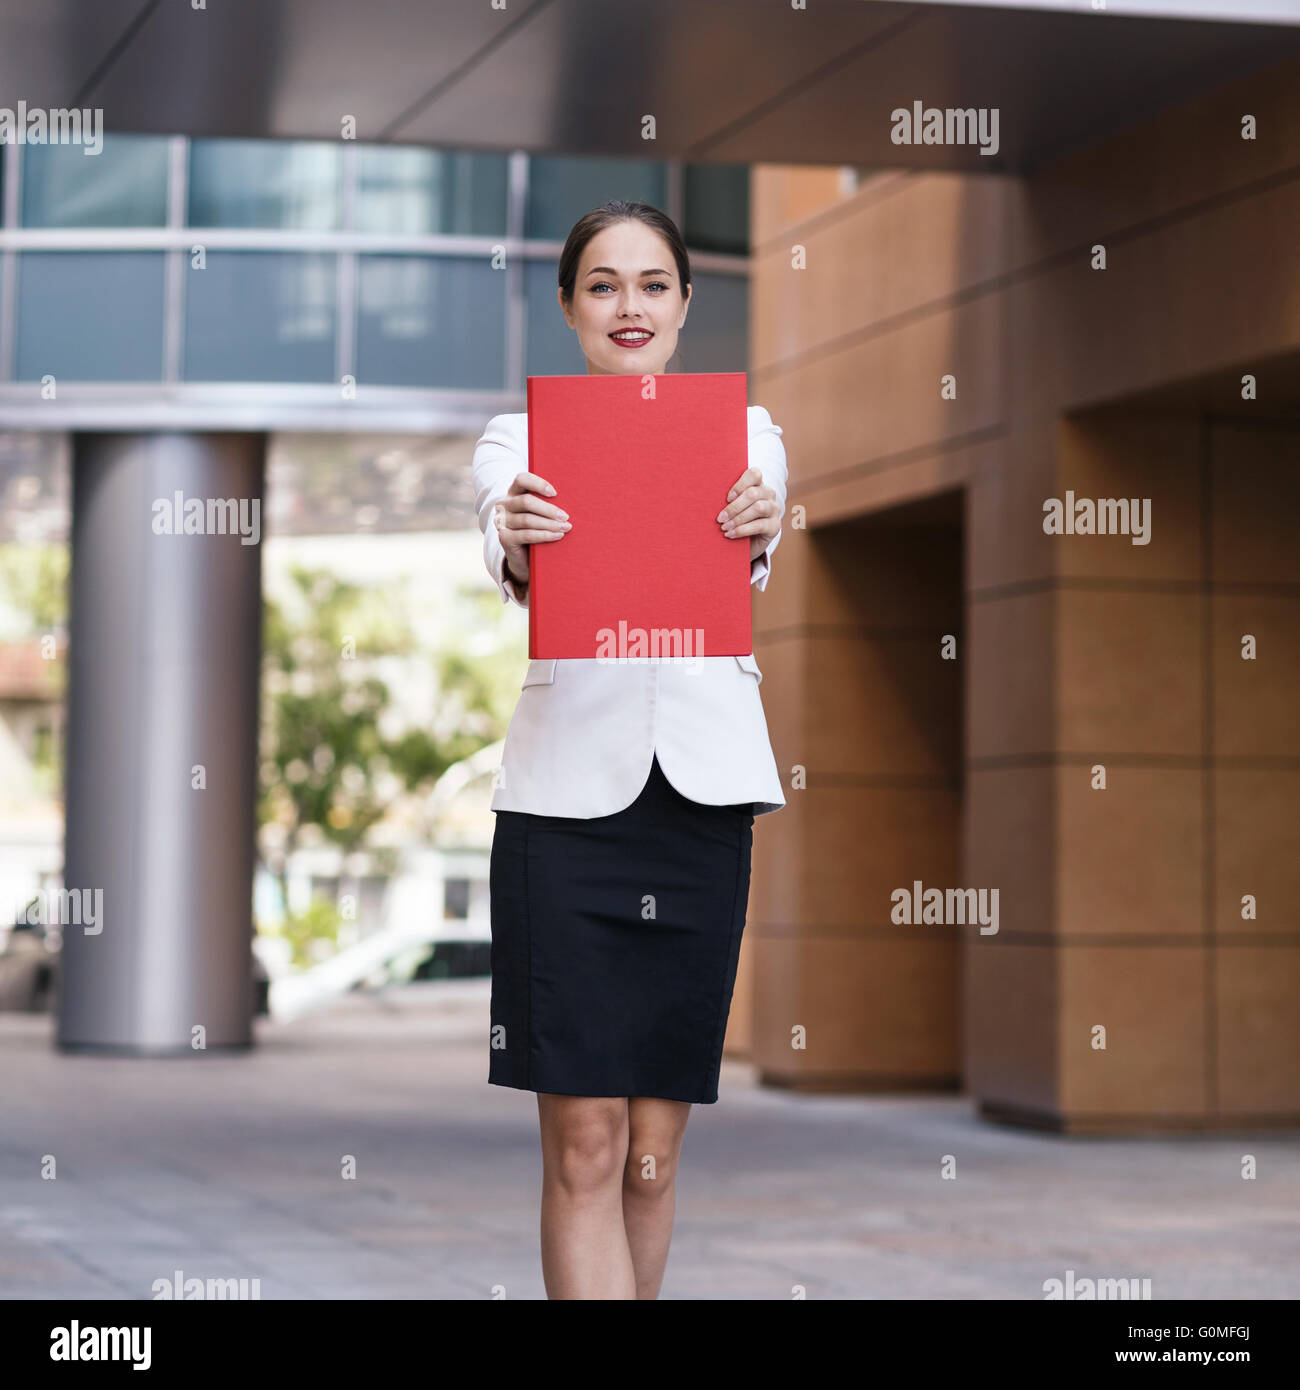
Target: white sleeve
{"type": "Point", "coordinates": [497, 462]}
{"type": "Point", "coordinates": [767, 454]}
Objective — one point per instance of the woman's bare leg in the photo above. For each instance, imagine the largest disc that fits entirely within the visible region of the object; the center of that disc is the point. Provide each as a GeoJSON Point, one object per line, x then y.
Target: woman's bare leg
{"type": "Point", "coordinates": [655, 1130]}
{"type": "Point", "coordinates": [584, 1149]}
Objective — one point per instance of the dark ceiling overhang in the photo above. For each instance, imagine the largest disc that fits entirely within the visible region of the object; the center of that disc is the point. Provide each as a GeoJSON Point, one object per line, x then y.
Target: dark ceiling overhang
{"type": "Point", "coordinates": [727, 81]}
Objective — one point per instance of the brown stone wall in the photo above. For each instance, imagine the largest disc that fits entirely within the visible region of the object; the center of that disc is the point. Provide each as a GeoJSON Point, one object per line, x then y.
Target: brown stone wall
{"type": "Point", "coordinates": [920, 516]}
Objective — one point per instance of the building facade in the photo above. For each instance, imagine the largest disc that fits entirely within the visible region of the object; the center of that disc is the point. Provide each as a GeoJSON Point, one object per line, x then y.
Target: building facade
{"type": "Point", "coordinates": [173, 303]}
{"type": "Point", "coordinates": [169, 282]}
{"type": "Point", "coordinates": [1099, 725]}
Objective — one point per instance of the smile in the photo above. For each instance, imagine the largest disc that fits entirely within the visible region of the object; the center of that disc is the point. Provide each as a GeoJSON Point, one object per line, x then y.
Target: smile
{"type": "Point", "coordinates": [631, 337]}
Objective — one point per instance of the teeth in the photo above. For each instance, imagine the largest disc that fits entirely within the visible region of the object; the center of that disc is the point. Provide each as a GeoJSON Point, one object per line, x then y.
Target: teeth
{"type": "Point", "coordinates": [627, 337]}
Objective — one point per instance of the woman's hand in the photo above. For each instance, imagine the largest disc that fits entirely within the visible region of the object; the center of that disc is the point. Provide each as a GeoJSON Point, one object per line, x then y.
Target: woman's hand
{"type": "Point", "coordinates": [523, 519]}
{"type": "Point", "coordinates": [751, 511]}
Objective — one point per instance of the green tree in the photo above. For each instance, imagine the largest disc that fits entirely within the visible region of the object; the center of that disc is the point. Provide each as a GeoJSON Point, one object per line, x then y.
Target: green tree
{"type": "Point", "coordinates": [34, 608]}
{"type": "Point", "coordinates": [34, 581]}
{"type": "Point", "coordinates": [326, 760]}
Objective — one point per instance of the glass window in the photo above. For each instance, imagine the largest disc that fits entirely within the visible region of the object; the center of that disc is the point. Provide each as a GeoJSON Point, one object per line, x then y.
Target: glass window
{"type": "Point", "coordinates": [290, 184]}
{"type": "Point", "coordinates": [425, 321]}
{"type": "Point", "coordinates": [715, 201]}
{"type": "Point", "coordinates": [550, 346]}
{"type": "Point", "coordinates": [260, 316]}
{"type": "Point", "coordinates": [90, 316]}
{"type": "Point", "coordinates": [420, 192]}
{"type": "Point", "coordinates": [124, 185]}
{"type": "Point", "coordinates": [716, 336]}
{"type": "Point", "coordinates": [455, 898]}
{"type": "Point", "coordinates": [560, 190]}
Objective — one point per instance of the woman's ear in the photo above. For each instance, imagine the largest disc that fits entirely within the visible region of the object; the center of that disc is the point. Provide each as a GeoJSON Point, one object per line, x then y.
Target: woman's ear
{"type": "Point", "coordinates": [564, 308]}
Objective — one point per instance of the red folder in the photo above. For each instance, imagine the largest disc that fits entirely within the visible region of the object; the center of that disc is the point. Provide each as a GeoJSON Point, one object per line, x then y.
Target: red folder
{"type": "Point", "coordinates": [642, 465]}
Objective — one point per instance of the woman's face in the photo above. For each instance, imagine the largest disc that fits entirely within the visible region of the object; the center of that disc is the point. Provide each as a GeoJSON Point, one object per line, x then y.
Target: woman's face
{"type": "Point", "coordinates": [627, 281]}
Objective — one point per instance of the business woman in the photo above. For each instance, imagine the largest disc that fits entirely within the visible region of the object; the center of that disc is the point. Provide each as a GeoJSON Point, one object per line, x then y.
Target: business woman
{"type": "Point", "coordinates": [620, 861]}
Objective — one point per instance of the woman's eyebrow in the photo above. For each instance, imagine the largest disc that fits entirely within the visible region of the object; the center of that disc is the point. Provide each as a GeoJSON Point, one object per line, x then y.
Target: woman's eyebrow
{"type": "Point", "coordinates": [609, 270]}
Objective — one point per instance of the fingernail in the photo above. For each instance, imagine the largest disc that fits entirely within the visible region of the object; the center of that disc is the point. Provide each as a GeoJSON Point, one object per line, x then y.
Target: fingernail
{"type": "Point", "coordinates": [566, 525]}
{"type": "Point", "coordinates": [722, 515]}
{"type": "Point", "coordinates": [550, 491]}
{"type": "Point", "coordinates": [564, 516]}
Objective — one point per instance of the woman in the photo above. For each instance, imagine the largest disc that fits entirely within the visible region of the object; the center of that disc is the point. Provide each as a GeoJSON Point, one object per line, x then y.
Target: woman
{"type": "Point", "coordinates": [625, 808]}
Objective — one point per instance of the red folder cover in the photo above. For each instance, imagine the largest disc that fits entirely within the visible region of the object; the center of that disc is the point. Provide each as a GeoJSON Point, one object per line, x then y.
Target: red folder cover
{"type": "Point", "coordinates": [642, 465]}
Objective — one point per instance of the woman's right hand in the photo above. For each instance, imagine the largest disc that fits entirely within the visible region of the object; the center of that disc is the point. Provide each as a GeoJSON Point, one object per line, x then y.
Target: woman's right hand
{"type": "Point", "coordinates": [524, 519]}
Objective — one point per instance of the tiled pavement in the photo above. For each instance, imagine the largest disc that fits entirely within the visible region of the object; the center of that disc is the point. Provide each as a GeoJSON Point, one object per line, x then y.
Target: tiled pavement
{"type": "Point", "coordinates": [229, 1167]}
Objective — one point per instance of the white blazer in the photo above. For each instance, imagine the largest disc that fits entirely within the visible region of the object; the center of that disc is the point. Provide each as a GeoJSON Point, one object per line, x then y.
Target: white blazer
{"type": "Point", "coordinates": [584, 732]}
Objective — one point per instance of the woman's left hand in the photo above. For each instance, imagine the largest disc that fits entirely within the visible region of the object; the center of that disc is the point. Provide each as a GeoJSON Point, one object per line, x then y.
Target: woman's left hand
{"type": "Point", "coordinates": [751, 511]}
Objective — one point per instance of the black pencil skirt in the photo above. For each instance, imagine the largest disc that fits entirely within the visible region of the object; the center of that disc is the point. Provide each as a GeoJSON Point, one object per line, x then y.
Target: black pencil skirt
{"type": "Point", "coordinates": [614, 946]}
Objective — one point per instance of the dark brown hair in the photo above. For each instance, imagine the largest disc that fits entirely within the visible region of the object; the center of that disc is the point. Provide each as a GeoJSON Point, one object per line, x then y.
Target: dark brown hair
{"type": "Point", "coordinates": [598, 219]}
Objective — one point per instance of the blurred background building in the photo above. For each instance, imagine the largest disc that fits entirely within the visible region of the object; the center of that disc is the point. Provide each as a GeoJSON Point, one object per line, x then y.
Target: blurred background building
{"type": "Point", "coordinates": [246, 296]}
{"type": "Point", "coordinates": [336, 264]}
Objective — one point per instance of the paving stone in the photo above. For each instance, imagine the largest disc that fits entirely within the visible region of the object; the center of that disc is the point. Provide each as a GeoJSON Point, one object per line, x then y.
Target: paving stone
{"type": "Point", "coordinates": [230, 1167]}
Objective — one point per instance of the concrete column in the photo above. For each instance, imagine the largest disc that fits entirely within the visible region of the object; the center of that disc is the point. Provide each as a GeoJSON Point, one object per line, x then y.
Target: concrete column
{"type": "Point", "coordinates": [162, 741]}
{"type": "Point", "coordinates": [859, 696]}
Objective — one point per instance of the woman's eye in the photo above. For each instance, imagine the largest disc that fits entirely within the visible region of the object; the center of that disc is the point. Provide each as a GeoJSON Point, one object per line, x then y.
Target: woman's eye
{"type": "Point", "coordinates": [604, 285]}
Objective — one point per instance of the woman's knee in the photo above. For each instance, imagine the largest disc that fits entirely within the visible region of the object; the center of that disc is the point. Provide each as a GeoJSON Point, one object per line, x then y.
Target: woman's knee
{"type": "Point", "coordinates": [584, 1146]}
{"type": "Point", "coordinates": [651, 1167]}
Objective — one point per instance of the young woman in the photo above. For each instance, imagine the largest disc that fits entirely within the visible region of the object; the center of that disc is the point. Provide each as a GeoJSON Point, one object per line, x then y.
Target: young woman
{"type": "Point", "coordinates": [625, 807]}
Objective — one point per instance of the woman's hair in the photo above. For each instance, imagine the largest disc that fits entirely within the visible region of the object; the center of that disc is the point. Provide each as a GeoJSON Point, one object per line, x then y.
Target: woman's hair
{"type": "Point", "coordinates": [598, 219]}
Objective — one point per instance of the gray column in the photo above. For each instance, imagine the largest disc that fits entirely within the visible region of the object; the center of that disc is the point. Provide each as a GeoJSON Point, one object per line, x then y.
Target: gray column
{"type": "Point", "coordinates": [163, 681]}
